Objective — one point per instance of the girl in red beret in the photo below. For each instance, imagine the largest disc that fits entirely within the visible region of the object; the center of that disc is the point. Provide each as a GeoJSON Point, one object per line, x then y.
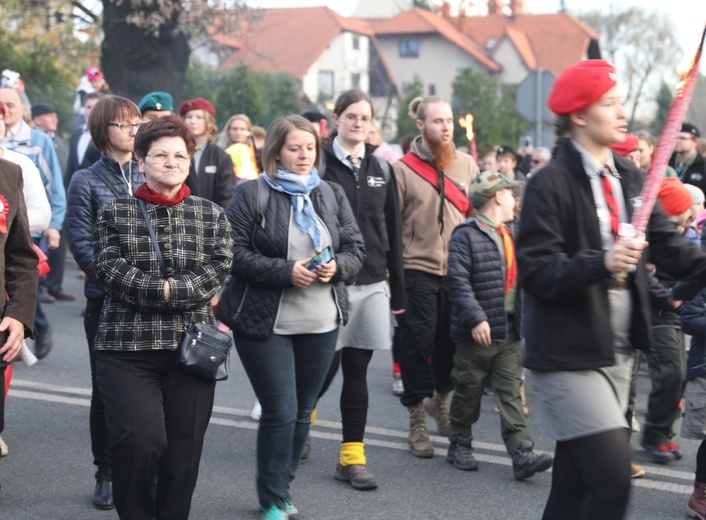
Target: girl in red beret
{"type": "Point", "coordinates": [586, 292]}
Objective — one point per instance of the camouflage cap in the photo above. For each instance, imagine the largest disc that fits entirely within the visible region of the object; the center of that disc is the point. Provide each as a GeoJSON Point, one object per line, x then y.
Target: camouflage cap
{"type": "Point", "coordinates": [486, 185]}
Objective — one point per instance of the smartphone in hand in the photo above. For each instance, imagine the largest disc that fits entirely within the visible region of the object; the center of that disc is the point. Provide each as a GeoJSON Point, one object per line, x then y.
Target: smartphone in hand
{"type": "Point", "coordinates": [325, 256]}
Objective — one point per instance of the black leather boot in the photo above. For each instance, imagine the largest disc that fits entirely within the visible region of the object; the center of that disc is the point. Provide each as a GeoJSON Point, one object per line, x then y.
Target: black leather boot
{"type": "Point", "coordinates": [103, 494]}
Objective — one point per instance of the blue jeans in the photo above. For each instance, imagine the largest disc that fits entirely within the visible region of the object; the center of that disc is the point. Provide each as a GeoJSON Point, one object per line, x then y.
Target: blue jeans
{"type": "Point", "coordinates": [287, 373]}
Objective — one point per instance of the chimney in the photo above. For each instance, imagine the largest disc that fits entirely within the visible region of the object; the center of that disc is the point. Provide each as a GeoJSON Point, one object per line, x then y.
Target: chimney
{"type": "Point", "coordinates": [518, 7]}
{"type": "Point", "coordinates": [444, 10]}
{"type": "Point", "coordinates": [495, 6]}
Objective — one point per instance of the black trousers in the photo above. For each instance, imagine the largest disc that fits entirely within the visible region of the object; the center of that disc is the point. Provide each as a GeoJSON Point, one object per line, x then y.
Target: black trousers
{"type": "Point", "coordinates": [2, 398]}
{"type": "Point", "coordinates": [425, 346]}
{"type": "Point", "coordinates": [96, 420]}
{"type": "Point", "coordinates": [157, 415]}
{"type": "Point", "coordinates": [54, 280]}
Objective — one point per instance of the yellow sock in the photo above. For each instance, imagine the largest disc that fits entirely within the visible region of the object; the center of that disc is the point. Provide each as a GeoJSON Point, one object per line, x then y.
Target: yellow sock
{"type": "Point", "coordinates": [352, 453]}
{"type": "Point", "coordinates": [313, 418]}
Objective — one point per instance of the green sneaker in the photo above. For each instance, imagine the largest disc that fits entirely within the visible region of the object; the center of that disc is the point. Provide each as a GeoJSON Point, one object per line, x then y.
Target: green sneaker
{"type": "Point", "coordinates": [289, 507]}
{"type": "Point", "coordinates": [273, 513]}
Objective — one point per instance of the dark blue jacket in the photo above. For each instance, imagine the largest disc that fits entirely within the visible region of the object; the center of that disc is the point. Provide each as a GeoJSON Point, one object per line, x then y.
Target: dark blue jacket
{"type": "Point", "coordinates": [87, 193]}
{"type": "Point", "coordinates": [476, 283]}
{"type": "Point", "coordinates": [693, 322]}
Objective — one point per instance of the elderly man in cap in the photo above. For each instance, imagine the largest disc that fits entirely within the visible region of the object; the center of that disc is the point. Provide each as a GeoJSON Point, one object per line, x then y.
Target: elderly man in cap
{"type": "Point", "coordinates": [686, 159]}
{"type": "Point", "coordinates": [46, 119]}
{"type": "Point", "coordinates": [507, 163]}
{"type": "Point", "coordinates": [155, 105]}
{"type": "Point", "coordinates": [486, 314]}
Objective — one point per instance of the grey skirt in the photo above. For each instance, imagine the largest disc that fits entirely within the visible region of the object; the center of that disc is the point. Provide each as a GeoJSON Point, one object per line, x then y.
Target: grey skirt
{"type": "Point", "coordinates": [369, 324]}
{"type": "Point", "coordinates": [584, 402]}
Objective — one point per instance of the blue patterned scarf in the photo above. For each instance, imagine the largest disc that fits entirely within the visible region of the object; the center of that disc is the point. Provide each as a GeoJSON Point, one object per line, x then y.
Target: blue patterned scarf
{"type": "Point", "coordinates": [298, 187]}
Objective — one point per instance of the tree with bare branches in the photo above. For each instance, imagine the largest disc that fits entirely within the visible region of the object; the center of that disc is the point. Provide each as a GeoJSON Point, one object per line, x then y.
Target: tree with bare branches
{"type": "Point", "coordinates": [643, 46]}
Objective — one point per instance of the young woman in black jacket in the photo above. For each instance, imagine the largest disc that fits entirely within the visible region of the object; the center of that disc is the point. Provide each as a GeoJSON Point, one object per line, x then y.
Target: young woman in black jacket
{"type": "Point", "coordinates": [372, 193]}
{"type": "Point", "coordinates": [296, 245]}
{"type": "Point", "coordinates": [587, 306]}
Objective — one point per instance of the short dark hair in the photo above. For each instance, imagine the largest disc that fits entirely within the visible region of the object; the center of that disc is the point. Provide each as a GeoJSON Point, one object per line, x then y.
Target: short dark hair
{"type": "Point", "coordinates": [98, 94]}
{"type": "Point", "coordinates": [106, 111]}
{"type": "Point", "coordinates": [277, 135]}
{"type": "Point", "coordinates": [313, 117]}
{"type": "Point", "coordinates": [167, 126]}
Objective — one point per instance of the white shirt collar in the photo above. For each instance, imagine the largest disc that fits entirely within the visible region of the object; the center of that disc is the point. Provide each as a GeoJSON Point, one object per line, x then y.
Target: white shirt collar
{"type": "Point", "coordinates": [591, 165]}
{"type": "Point", "coordinates": [342, 154]}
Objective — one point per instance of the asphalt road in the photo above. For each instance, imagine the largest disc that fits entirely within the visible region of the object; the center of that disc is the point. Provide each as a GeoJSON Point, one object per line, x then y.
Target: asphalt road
{"type": "Point", "coordinates": [48, 474]}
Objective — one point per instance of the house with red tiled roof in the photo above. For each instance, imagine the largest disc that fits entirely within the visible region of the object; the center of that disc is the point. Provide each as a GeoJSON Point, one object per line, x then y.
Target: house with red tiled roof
{"type": "Point", "coordinates": [326, 52]}
{"type": "Point", "coordinates": [508, 43]}
{"type": "Point", "coordinates": [420, 43]}
{"type": "Point", "coordinates": [523, 42]}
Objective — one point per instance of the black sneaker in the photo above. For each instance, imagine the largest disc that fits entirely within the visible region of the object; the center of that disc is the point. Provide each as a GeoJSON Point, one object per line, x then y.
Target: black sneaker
{"type": "Point", "coordinates": [460, 454]}
{"type": "Point", "coordinates": [525, 462]}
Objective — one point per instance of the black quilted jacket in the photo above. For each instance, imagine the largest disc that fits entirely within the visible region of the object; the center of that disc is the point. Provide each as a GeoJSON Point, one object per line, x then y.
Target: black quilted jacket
{"type": "Point", "coordinates": [476, 283]}
{"type": "Point", "coordinates": [261, 270]}
{"type": "Point", "coordinates": [87, 193]}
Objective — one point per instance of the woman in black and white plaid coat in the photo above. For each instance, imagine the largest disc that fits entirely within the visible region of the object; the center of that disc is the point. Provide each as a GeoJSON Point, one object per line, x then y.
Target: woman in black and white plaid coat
{"type": "Point", "coordinates": [156, 413]}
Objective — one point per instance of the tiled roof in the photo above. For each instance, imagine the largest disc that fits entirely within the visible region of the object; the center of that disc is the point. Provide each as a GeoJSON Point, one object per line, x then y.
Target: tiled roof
{"type": "Point", "coordinates": [420, 21]}
{"type": "Point", "coordinates": [290, 40]}
{"type": "Point", "coordinates": [555, 40]}
{"type": "Point", "coordinates": [523, 46]}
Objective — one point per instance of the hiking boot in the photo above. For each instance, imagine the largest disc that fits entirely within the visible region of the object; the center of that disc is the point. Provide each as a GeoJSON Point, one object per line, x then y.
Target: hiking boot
{"type": "Point", "coordinates": [460, 454]}
{"type": "Point", "coordinates": [437, 408]}
{"type": "Point", "coordinates": [696, 507]}
{"type": "Point", "coordinates": [357, 476]}
{"type": "Point", "coordinates": [659, 453]}
{"type": "Point", "coordinates": [636, 471]}
{"type": "Point", "coordinates": [418, 439]}
{"type": "Point", "coordinates": [525, 462]}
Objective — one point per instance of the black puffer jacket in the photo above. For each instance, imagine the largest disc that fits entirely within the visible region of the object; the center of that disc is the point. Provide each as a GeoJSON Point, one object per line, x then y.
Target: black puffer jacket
{"type": "Point", "coordinates": [87, 193]}
{"type": "Point", "coordinates": [476, 284]}
{"type": "Point", "coordinates": [261, 270]}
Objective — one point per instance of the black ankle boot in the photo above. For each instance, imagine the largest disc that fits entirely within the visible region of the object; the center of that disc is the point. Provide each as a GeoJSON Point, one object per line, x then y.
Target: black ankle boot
{"type": "Point", "coordinates": [103, 494]}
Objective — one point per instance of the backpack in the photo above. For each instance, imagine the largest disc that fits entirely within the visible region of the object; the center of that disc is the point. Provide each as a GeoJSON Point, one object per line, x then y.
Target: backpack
{"type": "Point", "coordinates": [263, 197]}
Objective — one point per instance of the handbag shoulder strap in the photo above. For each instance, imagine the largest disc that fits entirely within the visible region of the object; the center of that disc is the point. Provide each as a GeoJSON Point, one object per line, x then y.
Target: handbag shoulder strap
{"type": "Point", "coordinates": [162, 266]}
{"type": "Point", "coordinates": [104, 180]}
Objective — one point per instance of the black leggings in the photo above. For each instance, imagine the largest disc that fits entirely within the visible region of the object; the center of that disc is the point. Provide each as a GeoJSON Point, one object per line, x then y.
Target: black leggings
{"type": "Point", "coordinates": [591, 478]}
{"type": "Point", "coordinates": [354, 393]}
{"type": "Point", "coordinates": [701, 463]}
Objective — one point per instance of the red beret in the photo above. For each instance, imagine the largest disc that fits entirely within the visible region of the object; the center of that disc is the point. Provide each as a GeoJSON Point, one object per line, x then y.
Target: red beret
{"type": "Point", "coordinates": [630, 144]}
{"type": "Point", "coordinates": [197, 104]}
{"type": "Point", "coordinates": [581, 85]}
{"type": "Point", "coordinates": [674, 197]}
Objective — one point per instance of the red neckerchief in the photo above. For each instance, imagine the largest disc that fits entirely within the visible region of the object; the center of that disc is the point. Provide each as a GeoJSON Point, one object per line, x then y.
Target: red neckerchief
{"type": "Point", "coordinates": [146, 193]}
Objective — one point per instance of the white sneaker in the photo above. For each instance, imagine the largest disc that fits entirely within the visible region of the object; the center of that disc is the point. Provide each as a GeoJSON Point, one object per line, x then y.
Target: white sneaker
{"type": "Point", "coordinates": [256, 411]}
{"type": "Point", "coordinates": [4, 450]}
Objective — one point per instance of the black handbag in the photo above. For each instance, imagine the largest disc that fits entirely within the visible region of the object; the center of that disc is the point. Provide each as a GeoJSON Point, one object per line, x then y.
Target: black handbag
{"type": "Point", "coordinates": [204, 350]}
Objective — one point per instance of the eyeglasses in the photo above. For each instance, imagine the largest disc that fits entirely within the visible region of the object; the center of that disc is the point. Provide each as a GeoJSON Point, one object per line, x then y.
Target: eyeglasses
{"type": "Point", "coordinates": [161, 158]}
{"type": "Point", "coordinates": [126, 127]}
{"type": "Point", "coordinates": [352, 118]}
{"type": "Point", "coordinates": [535, 161]}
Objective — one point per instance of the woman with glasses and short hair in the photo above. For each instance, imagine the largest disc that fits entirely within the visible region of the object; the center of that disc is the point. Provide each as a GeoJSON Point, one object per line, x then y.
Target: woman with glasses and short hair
{"type": "Point", "coordinates": [113, 124]}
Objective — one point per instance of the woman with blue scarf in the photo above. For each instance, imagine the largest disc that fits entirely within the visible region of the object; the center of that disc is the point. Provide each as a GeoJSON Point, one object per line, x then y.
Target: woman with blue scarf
{"type": "Point", "coordinates": [287, 297]}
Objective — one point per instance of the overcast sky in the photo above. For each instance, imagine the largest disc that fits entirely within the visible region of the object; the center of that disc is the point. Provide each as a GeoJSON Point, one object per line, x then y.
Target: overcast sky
{"type": "Point", "coordinates": [689, 15]}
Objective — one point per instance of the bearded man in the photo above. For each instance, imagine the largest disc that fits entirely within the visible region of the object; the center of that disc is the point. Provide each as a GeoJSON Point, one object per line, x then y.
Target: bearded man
{"type": "Point", "coordinates": [433, 181]}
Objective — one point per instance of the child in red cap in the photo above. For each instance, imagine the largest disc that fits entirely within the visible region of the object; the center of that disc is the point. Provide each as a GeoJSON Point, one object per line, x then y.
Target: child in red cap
{"type": "Point", "coordinates": [587, 306]}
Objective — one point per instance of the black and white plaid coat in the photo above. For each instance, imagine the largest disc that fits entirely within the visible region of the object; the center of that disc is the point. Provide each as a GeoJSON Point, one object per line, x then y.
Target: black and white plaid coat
{"type": "Point", "coordinates": [194, 238]}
